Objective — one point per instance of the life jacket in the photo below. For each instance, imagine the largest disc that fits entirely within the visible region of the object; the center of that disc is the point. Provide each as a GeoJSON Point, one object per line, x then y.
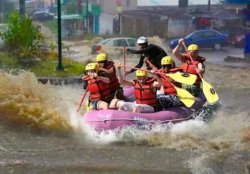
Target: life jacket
{"type": "Point", "coordinates": [114, 82]}
{"type": "Point", "coordinates": [98, 89]}
{"type": "Point", "coordinates": [168, 86]}
{"type": "Point", "coordinates": [144, 93]}
{"type": "Point", "coordinates": [190, 67]}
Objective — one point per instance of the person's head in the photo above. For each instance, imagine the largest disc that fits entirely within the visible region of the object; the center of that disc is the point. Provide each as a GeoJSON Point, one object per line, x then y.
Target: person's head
{"type": "Point", "coordinates": [91, 69]}
{"type": "Point", "coordinates": [166, 63]}
{"type": "Point", "coordinates": [141, 75]}
{"type": "Point", "coordinates": [142, 42]}
{"type": "Point", "coordinates": [193, 49]}
{"type": "Point", "coordinates": [102, 59]}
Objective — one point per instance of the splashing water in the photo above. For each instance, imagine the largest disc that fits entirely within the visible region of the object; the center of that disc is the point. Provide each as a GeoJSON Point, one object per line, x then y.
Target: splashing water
{"type": "Point", "coordinates": [24, 101]}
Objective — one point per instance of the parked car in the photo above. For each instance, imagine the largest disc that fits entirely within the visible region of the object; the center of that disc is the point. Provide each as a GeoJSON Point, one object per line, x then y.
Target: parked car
{"type": "Point", "coordinates": [112, 45]}
{"type": "Point", "coordinates": [204, 38]}
{"type": "Point", "coordinates": [42, 16]}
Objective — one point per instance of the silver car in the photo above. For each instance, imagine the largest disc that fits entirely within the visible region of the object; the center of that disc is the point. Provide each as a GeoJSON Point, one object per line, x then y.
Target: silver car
{"type": "Point", "coordinates": [114, 45]}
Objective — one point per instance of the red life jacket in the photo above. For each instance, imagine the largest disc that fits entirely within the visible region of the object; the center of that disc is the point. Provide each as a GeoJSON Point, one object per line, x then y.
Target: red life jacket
{"type": "Point", "coordinates": [144, 93]}
{"type": "Point", "coordinates": [167, 86]}
{"type": "Point", "coordinates": [98, 89]}
{"type": "Point", "coordinates": [114, 82]}
{"type": "Point", "coordinates": [190, 67]}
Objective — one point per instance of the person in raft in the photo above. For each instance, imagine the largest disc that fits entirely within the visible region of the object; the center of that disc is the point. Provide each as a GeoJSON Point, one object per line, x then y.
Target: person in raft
{"type": "Point", "coordinates": [150, 52]}
{"type": "Point", "coordinates": [188, 66]}
{"type": "Point", "coordinates": [106, 67]}
{"type": "Point", "coordinates": [98, 87]}
{"type": "Point", "coordinates": [168, 97]}
{"type": "Point", "coordinates": [145, 92]}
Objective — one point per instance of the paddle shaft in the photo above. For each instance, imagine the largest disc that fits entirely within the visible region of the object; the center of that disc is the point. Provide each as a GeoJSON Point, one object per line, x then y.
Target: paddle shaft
{"type": "Point", "coordinates": [124, 62]}
{"type": "Point", "coordinates": [83, 97]}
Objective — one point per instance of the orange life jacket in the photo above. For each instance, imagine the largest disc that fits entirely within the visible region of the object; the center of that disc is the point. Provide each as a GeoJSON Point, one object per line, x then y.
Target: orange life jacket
{"type": "Point", "coordinates": [190, 67]}
{"type": "Point", "coordinates": [98, 89]}
{"type": "Point", "coordinates": [114, 82]}
{"type": "Point", "coordinates": [144, 93]}
{"type": "Point", "coordinates": [167, 86]}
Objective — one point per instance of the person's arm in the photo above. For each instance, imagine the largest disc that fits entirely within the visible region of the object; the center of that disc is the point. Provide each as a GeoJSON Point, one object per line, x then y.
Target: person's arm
{"type": "Point", "coordinates": [122, 81]}
{"type": "Point", "coordinates": [108, 71]}
{"type": "Point", "coordinates": [176, 51]}
{"type": "Point", "coordinates": [104, 79]}
{"type": "Point", "coordinates": [201, 68]}
{"type": "Point", "coordinates": [158, 82]}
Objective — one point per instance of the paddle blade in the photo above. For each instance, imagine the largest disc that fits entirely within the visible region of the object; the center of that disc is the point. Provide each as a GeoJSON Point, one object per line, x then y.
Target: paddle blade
{"type": "Point", "coordinates": [209, 92]}
{"type": "Point", "coordinates": [184, 78]}
{"type": "Point", "coordinates": [186, 98]}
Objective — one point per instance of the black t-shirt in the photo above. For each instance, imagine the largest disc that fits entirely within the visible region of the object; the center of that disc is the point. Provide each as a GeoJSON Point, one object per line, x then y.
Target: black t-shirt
{"type": "Point", "coordinates": [153, 52]}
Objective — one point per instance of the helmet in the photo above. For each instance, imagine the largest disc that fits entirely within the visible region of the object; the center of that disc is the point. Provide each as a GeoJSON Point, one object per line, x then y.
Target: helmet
{"type": "Point", "coordinates": [91, 66]}
{"type": "Point", "coordinates": [101, 57]}
{"type": "Point", "coordinates": [193, 47]}
{"type": "Point", "coordinates": [167, 60]}
{"type": "Point", "coordinates": [142, 40]}
{"type": "Point", "coordinates": [141, 73]}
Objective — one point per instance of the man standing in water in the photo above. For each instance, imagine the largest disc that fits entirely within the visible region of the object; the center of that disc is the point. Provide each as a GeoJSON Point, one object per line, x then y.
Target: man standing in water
{"type": "Point", "coordinates": [150, 52]}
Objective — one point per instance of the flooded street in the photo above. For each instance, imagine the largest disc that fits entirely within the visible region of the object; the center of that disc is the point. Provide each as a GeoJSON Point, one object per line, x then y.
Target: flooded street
{"type": "Point", "coordinates": [41, 133]}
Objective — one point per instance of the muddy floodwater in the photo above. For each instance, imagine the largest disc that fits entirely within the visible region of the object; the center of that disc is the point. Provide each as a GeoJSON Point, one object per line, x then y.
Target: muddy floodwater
{"type": "Point", "coordinates": [40, 132]}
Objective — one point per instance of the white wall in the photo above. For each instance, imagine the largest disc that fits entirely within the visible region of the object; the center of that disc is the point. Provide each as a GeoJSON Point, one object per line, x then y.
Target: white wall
{"type": "Point", "coordinates": [106, 23]}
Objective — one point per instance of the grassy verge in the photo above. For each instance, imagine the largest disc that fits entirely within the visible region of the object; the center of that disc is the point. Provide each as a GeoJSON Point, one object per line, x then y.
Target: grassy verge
{"type": "Point", "coordinates": [42, 68]}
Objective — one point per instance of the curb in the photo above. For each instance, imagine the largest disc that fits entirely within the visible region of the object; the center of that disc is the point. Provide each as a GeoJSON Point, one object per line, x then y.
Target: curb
{"type": "Point", "coordinates": [60, 80]}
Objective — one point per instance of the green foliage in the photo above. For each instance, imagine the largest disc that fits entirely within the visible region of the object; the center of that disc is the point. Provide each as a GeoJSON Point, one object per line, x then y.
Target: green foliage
{"type": "Point", "coordinates": [42, 68]}
{"type": "Point", "coordinates": [22, 38]}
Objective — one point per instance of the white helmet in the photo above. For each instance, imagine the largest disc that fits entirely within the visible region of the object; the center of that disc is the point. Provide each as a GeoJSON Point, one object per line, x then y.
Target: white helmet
{"type": "Point", "coordinates": [142, 40]}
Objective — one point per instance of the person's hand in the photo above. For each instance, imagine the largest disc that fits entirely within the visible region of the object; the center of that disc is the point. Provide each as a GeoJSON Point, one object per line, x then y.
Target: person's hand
{"type": "Point", "coordinates": [124, 49]}
{"type": "Point", "coordinates": [180, 41]}
{"type": "Point", "coordinates": [119, 66]}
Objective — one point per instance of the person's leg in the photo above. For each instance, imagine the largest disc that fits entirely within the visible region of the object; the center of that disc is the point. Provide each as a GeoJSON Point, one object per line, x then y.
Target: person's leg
{"type": "Point", "coordinates": [164, 101]}
{"type": "Point", "coordinates": [115, 103]}
{"type": "Point", "coordinates": [102, 105]}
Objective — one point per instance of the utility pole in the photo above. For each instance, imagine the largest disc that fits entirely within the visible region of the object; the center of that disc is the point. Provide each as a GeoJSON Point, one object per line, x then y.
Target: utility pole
{"type": "Point", "coordinates": [59, 41]}
{"type": "Point", "coordinates": [22, 7]}
{"type": "Point", "coordinates": [87, 16]}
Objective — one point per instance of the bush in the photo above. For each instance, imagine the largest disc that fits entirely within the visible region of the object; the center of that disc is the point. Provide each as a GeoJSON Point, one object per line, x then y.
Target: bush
{"type": "Point", "coordinates": [22, 38]}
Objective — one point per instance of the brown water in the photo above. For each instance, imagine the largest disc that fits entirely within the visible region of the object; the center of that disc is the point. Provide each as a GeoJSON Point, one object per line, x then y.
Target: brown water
{"type": "Point", "coordinates": [40, 132]}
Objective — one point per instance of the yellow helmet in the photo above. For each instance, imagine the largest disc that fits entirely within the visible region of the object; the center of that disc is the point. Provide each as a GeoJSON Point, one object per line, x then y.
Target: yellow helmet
{"type": "Point", "coordinates": [91, 66]}
{"type": "Point", "coordinates": [141, 73]}
{"type": "Point", "coordinates": [193, 47]}
{"type": "Point", "coordinates": [167, 60]}
{"type": "Point", "coordinates": [101, 57]}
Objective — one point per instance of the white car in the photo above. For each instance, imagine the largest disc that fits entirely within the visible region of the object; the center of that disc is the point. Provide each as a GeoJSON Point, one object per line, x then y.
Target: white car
{"type": "Point", "coordinates": [114, 45]}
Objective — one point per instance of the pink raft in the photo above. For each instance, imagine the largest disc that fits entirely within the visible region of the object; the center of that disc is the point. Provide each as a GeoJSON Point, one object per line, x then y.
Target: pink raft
{"type": "Point", "coordinates": [104, 120]}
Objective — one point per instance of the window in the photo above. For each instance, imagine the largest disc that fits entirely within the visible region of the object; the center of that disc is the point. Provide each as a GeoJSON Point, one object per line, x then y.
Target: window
{"type": "Point", "coordinates": [120, 43]}
{"type": "Point", "coordinates": [132, 42]}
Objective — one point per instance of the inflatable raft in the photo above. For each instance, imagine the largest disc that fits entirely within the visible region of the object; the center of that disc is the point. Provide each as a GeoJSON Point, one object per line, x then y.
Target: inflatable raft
{"type": "Point", "coordinates": [105, 120]}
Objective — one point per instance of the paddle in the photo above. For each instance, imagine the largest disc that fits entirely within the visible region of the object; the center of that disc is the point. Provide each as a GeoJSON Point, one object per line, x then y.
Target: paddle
{"type": "Point", "coordinates": [180, 77]}
{"type": "Point", "coordinates": [209, 92]}
{"type": "Point", "coordinates": [186, 98]}
{"type": "Point", "coordinates": [124, 62]}
{"type": "Point", "coordinates": [83, 97]}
